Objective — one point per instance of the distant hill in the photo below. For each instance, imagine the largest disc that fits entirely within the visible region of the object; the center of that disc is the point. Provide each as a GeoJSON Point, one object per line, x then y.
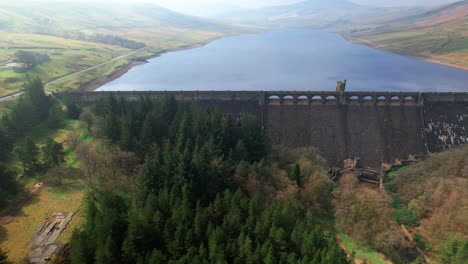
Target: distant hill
{"type": "Point", "coordinates": [318, 13]}
{"type": "Point", "coordinates": [455, 13]}
{"type": "Point", "coordinates": [92, 43]}
{"type": "Point", "coordinates": [62, 17]}
{"type": "Point", "coordinates": [439, 34]}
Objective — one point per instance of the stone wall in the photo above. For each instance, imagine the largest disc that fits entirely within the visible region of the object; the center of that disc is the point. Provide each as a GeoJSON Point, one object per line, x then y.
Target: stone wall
{"type": "Point", "coordinates": [372, 133]}
{"type": "Point", "coordinates": [446, 125]}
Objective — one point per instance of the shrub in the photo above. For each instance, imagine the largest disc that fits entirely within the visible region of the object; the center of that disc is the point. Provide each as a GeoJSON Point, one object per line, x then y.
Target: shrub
{"type": "Point", "coordinates": [420, 241]}
{"type": "Point", "coordinates": [396, 201]}
{"type": "Point", "coordinates": [405, 217]}
{"type": "Point", "coordinates": [391, 187]}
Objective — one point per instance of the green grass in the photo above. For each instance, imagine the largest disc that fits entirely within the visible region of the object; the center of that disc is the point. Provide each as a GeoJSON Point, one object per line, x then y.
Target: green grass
{"type": "Point", "coordinates": [67, 56]}
{"type": "Point", "coordinates": [362, 251]}
{"type": "Point", "coordinates": [446, 43]}
{"type": "Point", "coordinates": [52, 198]}
{"type": "Point", "coordinates": [160, 30]}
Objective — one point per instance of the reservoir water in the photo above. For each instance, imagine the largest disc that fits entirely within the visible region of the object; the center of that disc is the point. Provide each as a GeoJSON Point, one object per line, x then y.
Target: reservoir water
{"type": "Point", "coordinates": [289, 59]}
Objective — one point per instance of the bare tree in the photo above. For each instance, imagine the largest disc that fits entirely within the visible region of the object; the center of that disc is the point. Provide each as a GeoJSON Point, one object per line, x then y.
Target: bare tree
{"type": "Point", "coordinates": [74, 140]}
{"type": "Point", "coordinates": [89, 157]}
{"type": "Point", "coordinates": [106, 168]}
{"type": "Point", "coordinates": [87, 117]}
{"type": "Point", "coordinates": [58, 173]}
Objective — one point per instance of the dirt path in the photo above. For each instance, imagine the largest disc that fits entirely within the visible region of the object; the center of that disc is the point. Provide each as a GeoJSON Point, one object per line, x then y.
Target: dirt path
{"type": "Point", "coordinates": [95, 66]}
{"type": "Point", "coordinates": [5, 98]}
{"type": "Point", "coordinates": [31, 192]}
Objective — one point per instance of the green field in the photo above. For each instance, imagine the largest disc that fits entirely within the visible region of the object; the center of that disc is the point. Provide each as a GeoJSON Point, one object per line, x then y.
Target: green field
{"type": "Point", "coordinates": [70, 56]}
{"type": "Point", "coordinates": [52, 30]}
{"type": "Point", "coordinates": [362, 251]}
{"type": "Point", "coordinates": [51, 199]}
{"type": "Point", "coordinates": [66, 56]}
{"type": "Point", "coordinates": [439, 36]}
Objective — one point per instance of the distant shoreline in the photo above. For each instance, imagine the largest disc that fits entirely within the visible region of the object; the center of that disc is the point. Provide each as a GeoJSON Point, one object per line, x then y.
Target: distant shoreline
{"type": "Point", "coordinates": [120, 71]}
{"type": "Point", "coordinates": [373, 45]}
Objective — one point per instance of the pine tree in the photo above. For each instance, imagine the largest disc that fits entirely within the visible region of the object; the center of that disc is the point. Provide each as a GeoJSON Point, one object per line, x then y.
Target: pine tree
{"type": "Point", "coordinates": [146, 134]}
{"type": "Point", "coordinates": [55, 117]}
{"type": "Point", "coordinates": [35, 96]}
{"type": "Point", "coordinates": [112, 127]}
{"type": "Point", "coordinates": [241, 152]}
{"type": "Point", "coordinates": [157, 257]}
{"type": "Point", "coordinates": [28, 155]}
{"type": "Point", "coordinates": [5, 144]}
{"type": "Point", "coordinates": [127, 133]}
{"type": "Point", "coordinates": [73, 110]}
{"type": "Point", "coordinates": [296, 175]}
{"type": "Point", "coordinates": [53, 153]}
{"type": "Point", "coordinates": [254, 139]}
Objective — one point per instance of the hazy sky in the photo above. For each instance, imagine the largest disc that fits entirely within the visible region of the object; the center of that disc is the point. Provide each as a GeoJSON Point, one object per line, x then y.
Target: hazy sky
{"type": "Point", "coordinates": [195, 6]}
{"type": "Point", "coordinates": [188, 4]}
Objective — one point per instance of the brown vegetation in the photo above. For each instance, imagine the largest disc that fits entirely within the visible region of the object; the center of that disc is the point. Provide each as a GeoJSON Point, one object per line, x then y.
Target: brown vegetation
{"type": "Point", "coordinates": [364, 214]}
{"type": "Point", "coordinates": [436, 192]}
{"type": "Point", "coordinates": [275, 179]}
{"type": "Point", "coordinates": [107, 168]}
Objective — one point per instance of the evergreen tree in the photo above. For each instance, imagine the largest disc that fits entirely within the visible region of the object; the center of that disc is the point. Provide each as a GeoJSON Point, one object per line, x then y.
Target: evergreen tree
{"type": "Point", "coordinates": [5, 144]}
{"type": "Point", "coordinates": [8, 186]}
{"type": "Point", "coordinates": [35, 96]}
{"type": "Point", "coordinates": [183, 209]}
{"type": "Point", "coordinates": [28, 155]}
{"type": "Point", "coordinates": [254, 139]}
{"type": "Point", "coordinates": [296, 175]}
{"type": "Point", "coordinates": [73, 110]}
{"type": "Point", "coordinates": [53, 153]}
{"type": "Point", "coordinates": [55, 117]}
{"type": "Point", "coordinates": [127, 133]}
{"type": "Point", "coordinates": [112, 127]}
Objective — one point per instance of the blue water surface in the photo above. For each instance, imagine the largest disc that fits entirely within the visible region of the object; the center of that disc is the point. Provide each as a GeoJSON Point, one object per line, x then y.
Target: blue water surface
{"type": "Point", "coordinates": [289, 59]}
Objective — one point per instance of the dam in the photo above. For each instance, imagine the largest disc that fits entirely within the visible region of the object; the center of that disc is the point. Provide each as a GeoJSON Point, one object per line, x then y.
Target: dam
{"type": "Point", "coordinates": [374, 126]}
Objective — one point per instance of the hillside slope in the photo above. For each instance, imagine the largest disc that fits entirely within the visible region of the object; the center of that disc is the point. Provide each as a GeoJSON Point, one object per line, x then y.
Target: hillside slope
{"type": "Point", "coordinates": [80, 36]}
{"type": "Point", "coordinates": [440, 35]}
{"type": "Point", "coordinates": [62, 17]}
{"type": "Point", "coordinates": [435, 191]}
{"type": "Point", "coordinates": [318, 14]}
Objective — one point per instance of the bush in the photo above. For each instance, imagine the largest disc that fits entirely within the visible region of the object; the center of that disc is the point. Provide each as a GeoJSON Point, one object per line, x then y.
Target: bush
{"type": "Point", "coordinates": [405, 217]}
{"type": "Point", "coordinates": [391, 187]}
{"type": "Point", "coordinates": [396, 201]}
{"type": "Point", "coordinates": [420, 241]}
{"type": "Point", "coordinates": [56, 117]}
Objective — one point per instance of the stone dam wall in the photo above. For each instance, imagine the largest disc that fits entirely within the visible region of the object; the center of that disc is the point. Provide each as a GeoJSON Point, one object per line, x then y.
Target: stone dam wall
{"type": "Point", "coordinates": [374, 126]}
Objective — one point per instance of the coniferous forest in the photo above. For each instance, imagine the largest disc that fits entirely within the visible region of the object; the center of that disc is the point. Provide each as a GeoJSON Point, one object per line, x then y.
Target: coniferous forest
{"type": "Point", "coordinates": [169, 182]}
{"type": "Point", "coordinates": [185, 206]}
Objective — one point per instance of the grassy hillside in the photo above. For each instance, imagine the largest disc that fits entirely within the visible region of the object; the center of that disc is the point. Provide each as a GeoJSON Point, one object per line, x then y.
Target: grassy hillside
{"type": "Point", "coordinates": [67, 32]}
{"type": "Point", "coordinates": [319, 14]}
{"type": "Point", "coordinates": [440, 35]}
{"type": "Point", "coordinates": [64, 17]}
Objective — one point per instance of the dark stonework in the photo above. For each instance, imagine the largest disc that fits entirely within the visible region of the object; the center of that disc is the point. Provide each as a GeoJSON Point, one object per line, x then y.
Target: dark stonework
{"type": "Point", "coordinates": [372, 133]}
{"type": "Point", "coordinates": [446, 125]}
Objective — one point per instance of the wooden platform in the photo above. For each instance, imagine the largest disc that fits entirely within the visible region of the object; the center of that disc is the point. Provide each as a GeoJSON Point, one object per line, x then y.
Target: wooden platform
{"type": "Point", "coordinates": [43, 243]}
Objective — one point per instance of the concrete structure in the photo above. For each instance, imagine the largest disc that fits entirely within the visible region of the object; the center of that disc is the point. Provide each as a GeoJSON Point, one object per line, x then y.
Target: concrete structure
{"type": "Point", "coordinates": [374, 126]}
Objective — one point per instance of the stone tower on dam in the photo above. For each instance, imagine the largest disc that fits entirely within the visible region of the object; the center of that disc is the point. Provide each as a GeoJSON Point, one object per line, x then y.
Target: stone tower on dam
{"type": "Point", "coordinates": [374, 126]}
